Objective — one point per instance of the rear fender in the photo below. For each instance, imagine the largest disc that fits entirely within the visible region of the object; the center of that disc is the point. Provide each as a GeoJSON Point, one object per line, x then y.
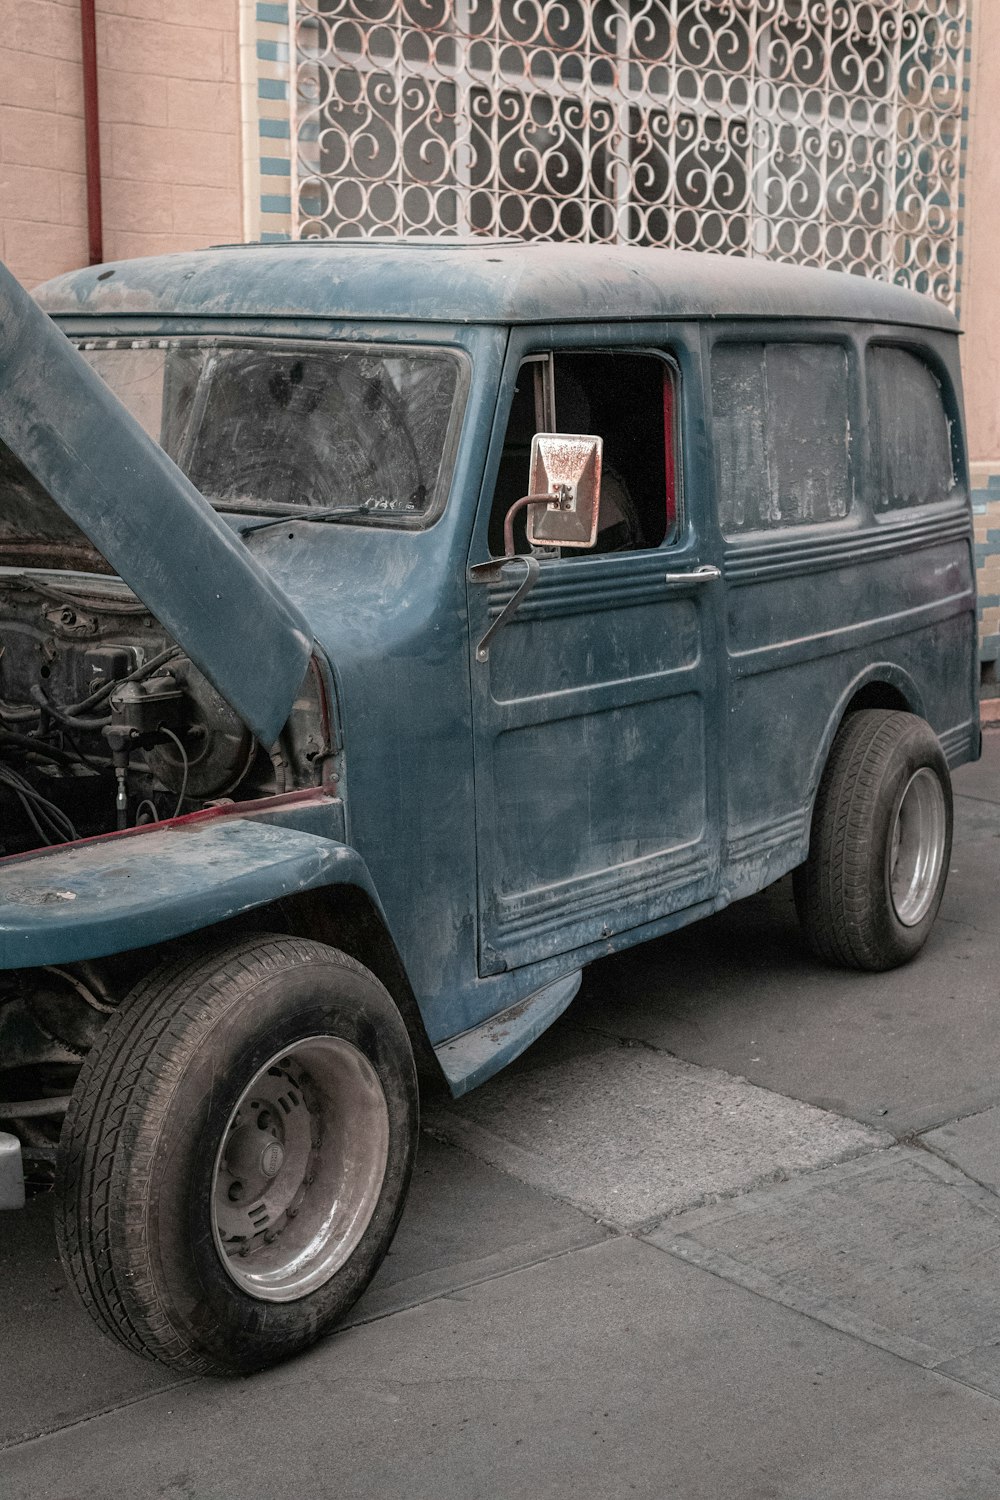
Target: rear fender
{"type": "Point", "coordinates": [884, 674]}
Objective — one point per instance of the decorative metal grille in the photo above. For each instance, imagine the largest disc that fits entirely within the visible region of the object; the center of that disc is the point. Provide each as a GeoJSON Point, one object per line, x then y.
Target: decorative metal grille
{"type": "Point", "coordinates": [823, 132]}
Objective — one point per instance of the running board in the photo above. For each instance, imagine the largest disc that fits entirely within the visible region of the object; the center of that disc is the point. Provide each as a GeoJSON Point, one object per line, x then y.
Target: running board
{"type": "Point", "coordinates": [469, 1059]}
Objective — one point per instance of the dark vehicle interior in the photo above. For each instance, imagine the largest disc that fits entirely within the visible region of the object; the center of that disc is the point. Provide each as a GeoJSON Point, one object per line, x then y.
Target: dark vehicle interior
{"type": "Point", "coordinates": [626, 399]}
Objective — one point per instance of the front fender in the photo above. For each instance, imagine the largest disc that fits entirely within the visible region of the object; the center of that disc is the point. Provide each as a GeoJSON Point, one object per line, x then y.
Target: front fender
{"type": "Point", "coordinates": [133, 890]}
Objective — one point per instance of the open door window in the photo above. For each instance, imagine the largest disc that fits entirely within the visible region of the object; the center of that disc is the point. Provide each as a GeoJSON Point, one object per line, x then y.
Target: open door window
{"type": "Point", "coordinates": [627, 399]}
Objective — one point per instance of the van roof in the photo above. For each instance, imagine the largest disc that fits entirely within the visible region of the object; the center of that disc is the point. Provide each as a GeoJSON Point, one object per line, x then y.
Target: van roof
{"type": "Point", "coordinates": [454, 281]}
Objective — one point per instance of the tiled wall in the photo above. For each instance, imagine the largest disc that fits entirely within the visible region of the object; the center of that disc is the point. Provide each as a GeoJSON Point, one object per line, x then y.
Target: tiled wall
{"type": "Point", "coordinates": [986, 509]}
{"type": "Point", "coordinates": [267, 167]}
{"type": "Point", "coordinates": [980, 304]}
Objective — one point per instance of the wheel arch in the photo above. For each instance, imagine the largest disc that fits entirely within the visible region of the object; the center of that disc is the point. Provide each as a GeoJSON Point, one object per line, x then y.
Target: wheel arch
{"type": "Point", "coordinates": [348, 917]}
{"type": "Point", "coordinates": [344, 915]}
{"type": "Point", "coordinates": [881, 685]}
{"type": "Point", "coordinates": [210, 883]}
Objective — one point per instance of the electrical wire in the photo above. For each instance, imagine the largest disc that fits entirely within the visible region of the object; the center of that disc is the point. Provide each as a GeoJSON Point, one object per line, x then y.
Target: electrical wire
{"type": "Point", "coordinates": [46, 838]}
{"type": "Point", "coordinates": [20, 783]}
{"type": "Point", "coordinates": [58, 826]}
{"type": "Point", "coordinates": [71, 714]}
{"type": "Point", "coordinates": [184, 757]}
{"type": "Point", "coordinates": [147, 802]}
{"type": "Point", "coordinates": [95, 762]}
{"type": "Point", "coordinates": [18, 715]}
{"type": "Point", "coordinates": [81, 600]}
{"type": "Point", "coordinates": [39, 812]}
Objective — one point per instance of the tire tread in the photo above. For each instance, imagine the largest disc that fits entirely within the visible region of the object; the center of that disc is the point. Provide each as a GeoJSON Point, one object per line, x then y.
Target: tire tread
{"type": "Point", "coordinates": [159, 1020]}
{"type": "Point", "coordinates": [833, 888]}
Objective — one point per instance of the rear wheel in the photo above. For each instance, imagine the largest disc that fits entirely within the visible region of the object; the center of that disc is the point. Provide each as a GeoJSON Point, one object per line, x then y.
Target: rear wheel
{"type": "Point", "coordinates": [880, 843]}
{"type": "Point", "coordinates": [236, 1155]}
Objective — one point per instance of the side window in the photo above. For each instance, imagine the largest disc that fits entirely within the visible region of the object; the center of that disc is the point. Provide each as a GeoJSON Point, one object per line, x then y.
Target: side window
{"type": "Point", "coordinates": [782, 435]}
{"type": "Point", "coordinates": [630, 401]}
{"type": "Point", "coordinates": [910, 431]}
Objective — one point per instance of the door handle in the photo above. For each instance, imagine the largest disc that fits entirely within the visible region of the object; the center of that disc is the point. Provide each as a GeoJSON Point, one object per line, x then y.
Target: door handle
{"type": "Point", "coordinates": [705, 574]}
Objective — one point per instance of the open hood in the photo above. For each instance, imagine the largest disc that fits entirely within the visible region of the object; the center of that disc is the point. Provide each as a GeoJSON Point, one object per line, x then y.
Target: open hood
{"type": "Point", "coordinates": [143, 515]}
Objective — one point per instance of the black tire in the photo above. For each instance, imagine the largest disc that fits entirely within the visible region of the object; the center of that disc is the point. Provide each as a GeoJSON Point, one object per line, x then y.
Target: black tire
{"type": "Point", "coordinates": [143, 1173]}
{"type": "Point", "coordinates": [856, 906]}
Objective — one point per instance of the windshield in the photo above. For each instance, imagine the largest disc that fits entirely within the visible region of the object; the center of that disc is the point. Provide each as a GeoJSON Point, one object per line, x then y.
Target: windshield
{"type": "Point", "coordinates": [275, 429]}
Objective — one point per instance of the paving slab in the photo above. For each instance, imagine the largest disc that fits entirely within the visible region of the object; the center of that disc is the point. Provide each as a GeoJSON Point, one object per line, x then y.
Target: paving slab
{"type": "Point", "coordinates": [463, 1221]}
{"type": "Point", "coordinates": [904, 1051]}
{"type": "Point", "coordinates": [900, 1250]}
{"type": "Point", "coordinates": [55, 1366]}
{"type": "Point", "coordinates": [983, 778]}
{"type": "Point", "coordinates": [632, 1134]}
{"type": "Point", "coordinates": [615, 1370]}
{"type": "Point", "coordinates": [971, 894]}
{"type": "Point", "coordinates": [972, 1145]}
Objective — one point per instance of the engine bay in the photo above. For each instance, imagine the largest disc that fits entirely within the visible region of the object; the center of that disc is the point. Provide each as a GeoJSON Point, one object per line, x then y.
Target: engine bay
{"type": "Point", "coordinates": [105, 723]}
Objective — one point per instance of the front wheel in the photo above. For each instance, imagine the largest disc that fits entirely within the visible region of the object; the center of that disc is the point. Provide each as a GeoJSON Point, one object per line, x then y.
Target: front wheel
{"type": "Point", "coordinates": [880, 844]}
{"type": "Point", "coordinates": [236, 1154]}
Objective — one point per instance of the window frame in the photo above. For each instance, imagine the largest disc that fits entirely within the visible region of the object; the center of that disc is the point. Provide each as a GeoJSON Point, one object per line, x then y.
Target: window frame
{"type": "Point", "coordinates": [379, 520]}
{"type": "Point", "coordinates": [959, 492]}
{"type": "Point", "coordinates": [675, 536]}
{"type": "Point", "coordinates": [789, 331]}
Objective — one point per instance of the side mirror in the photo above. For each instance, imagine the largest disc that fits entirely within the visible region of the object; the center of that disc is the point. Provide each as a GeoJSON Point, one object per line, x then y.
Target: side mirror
{"type": "Point", "coordinates": [567, 470]}
{"type": "Point", "coordinates": [562, 506]}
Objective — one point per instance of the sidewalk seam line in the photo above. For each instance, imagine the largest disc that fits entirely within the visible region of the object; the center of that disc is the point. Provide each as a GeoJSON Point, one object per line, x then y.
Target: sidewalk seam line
{"type": "Point", "coordinates": [853, 1334]}
{"type": "Point", "coordinates": [765, 1088]}
{"type": "Point", "coordinates": [94, 1416]}
{"type": "Point", "coordinates": [378, 1317]}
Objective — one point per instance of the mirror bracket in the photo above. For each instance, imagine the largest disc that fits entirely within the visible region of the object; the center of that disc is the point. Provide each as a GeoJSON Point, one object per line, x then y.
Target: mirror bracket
{"type": "Point", "coordinates": [558, 497]}
{"type": "Point", "coordinates": [492, 572]}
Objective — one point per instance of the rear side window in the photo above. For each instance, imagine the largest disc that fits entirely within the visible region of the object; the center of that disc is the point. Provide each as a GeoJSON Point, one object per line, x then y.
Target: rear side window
{"type": "Point", "coordinates": [782, 435]}
{"type": "Point", "coordinates": [910, 431]}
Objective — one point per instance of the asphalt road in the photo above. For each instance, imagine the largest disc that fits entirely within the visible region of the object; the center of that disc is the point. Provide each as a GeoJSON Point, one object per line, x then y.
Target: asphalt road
{"type": "Point", "coordinates": [730, 1229]}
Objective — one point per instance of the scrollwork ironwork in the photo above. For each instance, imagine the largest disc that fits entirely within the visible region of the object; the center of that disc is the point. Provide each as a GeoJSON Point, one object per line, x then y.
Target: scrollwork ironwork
{"type": "Point", "coordinates": [820, 132]}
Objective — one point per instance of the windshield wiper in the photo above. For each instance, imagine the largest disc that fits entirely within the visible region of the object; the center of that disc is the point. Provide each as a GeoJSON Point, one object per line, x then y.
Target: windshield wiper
{"type": "Point", "coordinates": [325, 513]}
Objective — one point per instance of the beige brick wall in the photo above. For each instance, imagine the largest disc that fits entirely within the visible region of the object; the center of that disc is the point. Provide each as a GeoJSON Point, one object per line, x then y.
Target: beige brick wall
{"type": "Point", "coordinates": [170, 130]}
{"type": "Point", "coordinates": [981, 282]}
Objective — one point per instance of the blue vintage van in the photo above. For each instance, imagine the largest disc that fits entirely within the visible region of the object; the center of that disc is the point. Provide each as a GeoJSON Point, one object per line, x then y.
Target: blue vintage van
{"type": "Point", "coordinates": [387, 630]}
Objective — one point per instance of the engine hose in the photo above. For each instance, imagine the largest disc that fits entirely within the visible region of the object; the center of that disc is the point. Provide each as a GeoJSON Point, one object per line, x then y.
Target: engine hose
{"type": "Point", "coordinates": [60, 717]}
{"type": "Point", "coordinates": [9, 737]}
{"type": "Point", "coordinates": [18, 715]}
{"type": "Point", "coordinates": [34, 1109]}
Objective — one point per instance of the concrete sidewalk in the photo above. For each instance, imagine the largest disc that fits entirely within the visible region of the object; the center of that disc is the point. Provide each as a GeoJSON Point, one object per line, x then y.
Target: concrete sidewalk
{"type": "Point", "coordinates": [731, 1229]}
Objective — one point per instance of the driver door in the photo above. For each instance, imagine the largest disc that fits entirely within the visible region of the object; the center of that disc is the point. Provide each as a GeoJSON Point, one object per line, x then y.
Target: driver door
{"type": "Point", "coordinates": [596, 714]}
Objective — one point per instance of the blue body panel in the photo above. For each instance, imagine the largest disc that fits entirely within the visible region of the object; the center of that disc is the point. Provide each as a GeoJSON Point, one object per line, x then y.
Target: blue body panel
{"type": "Point", "coordinates": [471, 1058]}
{"type": "Point", "coordinates": [132, 890]}
{"type": "Point", "coordinates": [500, 869]}
{"type": "Point", "coordinates": [448, 283]}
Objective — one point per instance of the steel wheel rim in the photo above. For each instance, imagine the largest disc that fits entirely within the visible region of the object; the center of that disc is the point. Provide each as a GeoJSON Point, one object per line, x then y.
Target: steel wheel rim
{"type": "Point", "coordinates": [916, 848]}
{"type": "Point", "coordinates": [300, 1168]}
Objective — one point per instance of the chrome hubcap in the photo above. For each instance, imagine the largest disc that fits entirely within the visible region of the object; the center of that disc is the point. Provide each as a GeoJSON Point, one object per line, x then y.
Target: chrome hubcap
{"type": "Point", "coordinates": [300, 1169]}
{"type": "Point", "coordinates": [916, 849]}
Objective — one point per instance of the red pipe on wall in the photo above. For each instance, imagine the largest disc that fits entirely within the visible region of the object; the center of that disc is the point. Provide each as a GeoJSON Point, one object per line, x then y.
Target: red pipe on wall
{"type": "Point", "coordinates": [91, 130]}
